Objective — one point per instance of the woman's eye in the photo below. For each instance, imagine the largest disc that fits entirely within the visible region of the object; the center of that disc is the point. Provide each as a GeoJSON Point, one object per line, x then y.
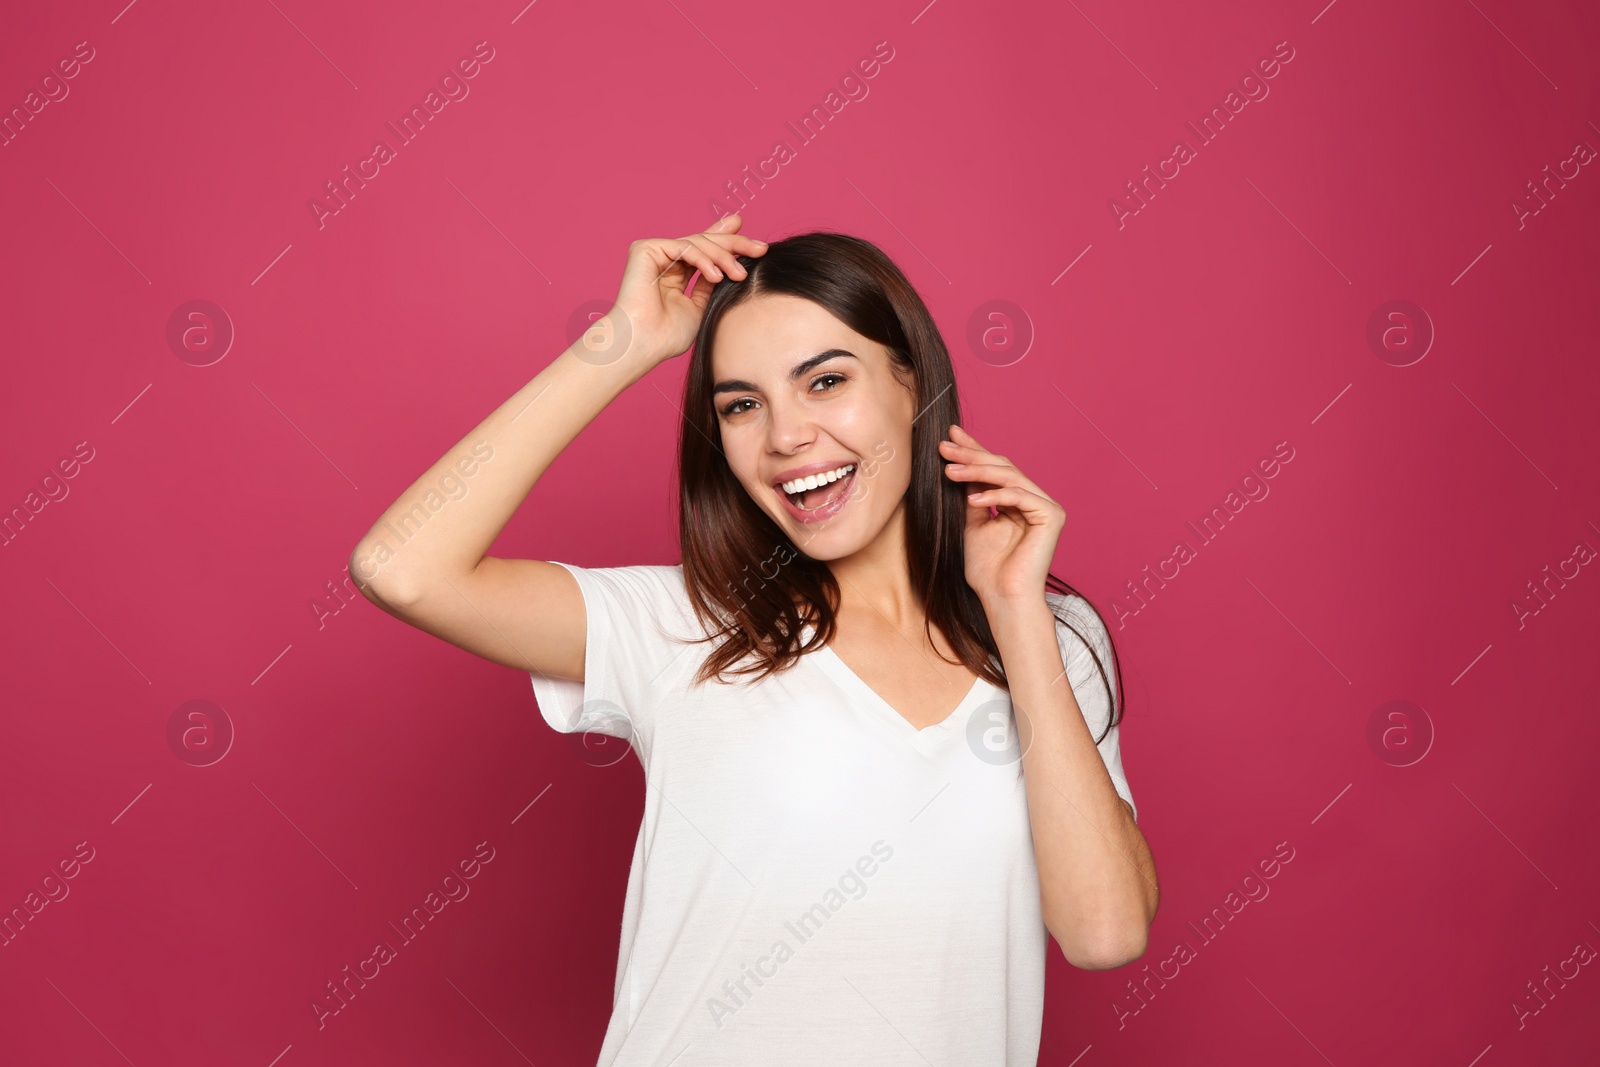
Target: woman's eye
{"type": "Point", "coordinates": [824, 383]}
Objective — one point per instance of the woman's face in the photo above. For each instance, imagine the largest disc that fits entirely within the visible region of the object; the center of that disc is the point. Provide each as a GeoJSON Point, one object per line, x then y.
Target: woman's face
{"type": "Point", "coordinates": [798, 393]}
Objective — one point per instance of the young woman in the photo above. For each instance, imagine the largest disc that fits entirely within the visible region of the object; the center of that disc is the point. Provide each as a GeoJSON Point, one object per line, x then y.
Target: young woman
{"type": "Point", "coordinates": [878, 735]}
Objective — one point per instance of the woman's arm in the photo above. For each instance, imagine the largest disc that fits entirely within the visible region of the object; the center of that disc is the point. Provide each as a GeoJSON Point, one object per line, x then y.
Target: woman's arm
{"type": "Point", "coordinates": [1097, 879]}
{"type": "Point", "coordinates": [424, 559]}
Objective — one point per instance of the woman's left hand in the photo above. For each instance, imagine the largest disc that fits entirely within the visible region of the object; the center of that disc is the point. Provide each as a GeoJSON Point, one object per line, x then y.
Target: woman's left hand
{"type": "Point", "coordinates": [1009, 555]}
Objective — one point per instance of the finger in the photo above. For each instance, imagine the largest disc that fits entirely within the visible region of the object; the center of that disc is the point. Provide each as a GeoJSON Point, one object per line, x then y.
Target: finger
{"type": "Point", "coordinates": [963, 452]}
{"type": "Point", "coordinates": [707, 256]}
{"type": "Point", "coordinates": [995, 474]}
{"type": "Point", "coordinates": [1015, 511]}
{"type": "Point", "coordinates": [701, 295]}
{"type": "Point", "coordinates": [727, 262]}
{"type": "Point", "coordinates": [725, 231]}
{"type": "Point", "coordinates": [738, 243]}
{"type": "Point", "coordinates": [684, 254]}
{"type": "Point", "coordinates": [960, 435]}
{"type": "Point", "coordinates": [962, 439]}
{"type": "Point", "coordinates": [666, 257]}
{"type": "Point", "coordinates": [686, 251]}
{"type": "Point", "coordinates": [1036, 509]}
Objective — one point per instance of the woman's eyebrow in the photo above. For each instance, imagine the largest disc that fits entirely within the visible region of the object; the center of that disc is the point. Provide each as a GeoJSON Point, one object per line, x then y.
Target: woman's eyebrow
{"type": "Point", "coordinates": [735, 385]}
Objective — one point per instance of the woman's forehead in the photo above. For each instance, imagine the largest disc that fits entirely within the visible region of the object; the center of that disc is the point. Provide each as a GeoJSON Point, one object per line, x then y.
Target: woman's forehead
{"type": "Point", "coordinates": [773, 332]}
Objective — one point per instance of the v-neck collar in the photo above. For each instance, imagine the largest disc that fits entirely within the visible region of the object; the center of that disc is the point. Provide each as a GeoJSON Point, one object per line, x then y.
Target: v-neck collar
{"type": "Point", "coordinates": [868, 697]}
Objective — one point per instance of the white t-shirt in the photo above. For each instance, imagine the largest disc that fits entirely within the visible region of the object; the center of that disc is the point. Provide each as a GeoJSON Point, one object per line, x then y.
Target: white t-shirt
{"type": "Point", "coordinates": [815, 880]}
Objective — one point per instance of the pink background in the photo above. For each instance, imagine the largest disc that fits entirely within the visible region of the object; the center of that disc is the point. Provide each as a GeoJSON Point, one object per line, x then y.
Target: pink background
{"type": "Point", "coordinates": [1228, 315]}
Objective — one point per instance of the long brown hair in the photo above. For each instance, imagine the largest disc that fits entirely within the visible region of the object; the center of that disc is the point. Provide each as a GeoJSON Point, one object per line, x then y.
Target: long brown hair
{"type": "Point", "coordinates": [730, 545]}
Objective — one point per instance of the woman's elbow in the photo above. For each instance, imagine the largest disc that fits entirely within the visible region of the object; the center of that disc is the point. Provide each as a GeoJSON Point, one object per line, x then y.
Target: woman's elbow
{"type": "Point", "coordinates": [379, 584]}
{"type": "Point", "coordinates": [1105, 950]}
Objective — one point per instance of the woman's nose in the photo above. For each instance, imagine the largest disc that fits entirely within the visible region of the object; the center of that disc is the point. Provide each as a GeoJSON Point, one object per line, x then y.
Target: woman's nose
{"type": "Point", "coordinates": [788, 426]}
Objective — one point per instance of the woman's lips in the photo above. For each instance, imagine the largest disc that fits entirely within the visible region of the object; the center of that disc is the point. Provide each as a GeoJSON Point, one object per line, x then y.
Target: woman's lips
{"type": "Point", "coordinates": [839, 493]}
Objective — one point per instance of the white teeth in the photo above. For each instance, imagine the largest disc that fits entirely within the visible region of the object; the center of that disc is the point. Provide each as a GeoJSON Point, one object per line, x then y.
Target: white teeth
{"type": "Point", "coordinates": [800, 485]}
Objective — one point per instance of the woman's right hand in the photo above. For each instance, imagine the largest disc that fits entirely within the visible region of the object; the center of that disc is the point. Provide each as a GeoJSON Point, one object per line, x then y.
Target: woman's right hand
{"type": "Point", "coordinates": [659, 319]}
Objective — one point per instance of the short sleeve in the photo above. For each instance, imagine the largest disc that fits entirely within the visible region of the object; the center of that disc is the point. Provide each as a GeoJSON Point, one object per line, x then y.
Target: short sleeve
{"type": "Point", "coordinates": [1093, 695]}
{"type": "Point", "coordinates": [632, 652]}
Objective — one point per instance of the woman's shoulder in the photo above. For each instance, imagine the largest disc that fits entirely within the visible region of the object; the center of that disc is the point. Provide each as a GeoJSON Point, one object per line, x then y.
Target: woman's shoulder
{"type": "Point", "coordinates": [640, 590]}
{"type": "Point", "coordinates": [1074, 605]}
{"type": "Point", "coordinates": [1081, 620]}
{"type": "Point", "coordinates": [668, 576]}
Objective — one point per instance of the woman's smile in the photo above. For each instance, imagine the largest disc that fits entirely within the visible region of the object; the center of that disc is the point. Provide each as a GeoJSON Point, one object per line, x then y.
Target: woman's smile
{"type": "Point", "coordinates": [814, 505]}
